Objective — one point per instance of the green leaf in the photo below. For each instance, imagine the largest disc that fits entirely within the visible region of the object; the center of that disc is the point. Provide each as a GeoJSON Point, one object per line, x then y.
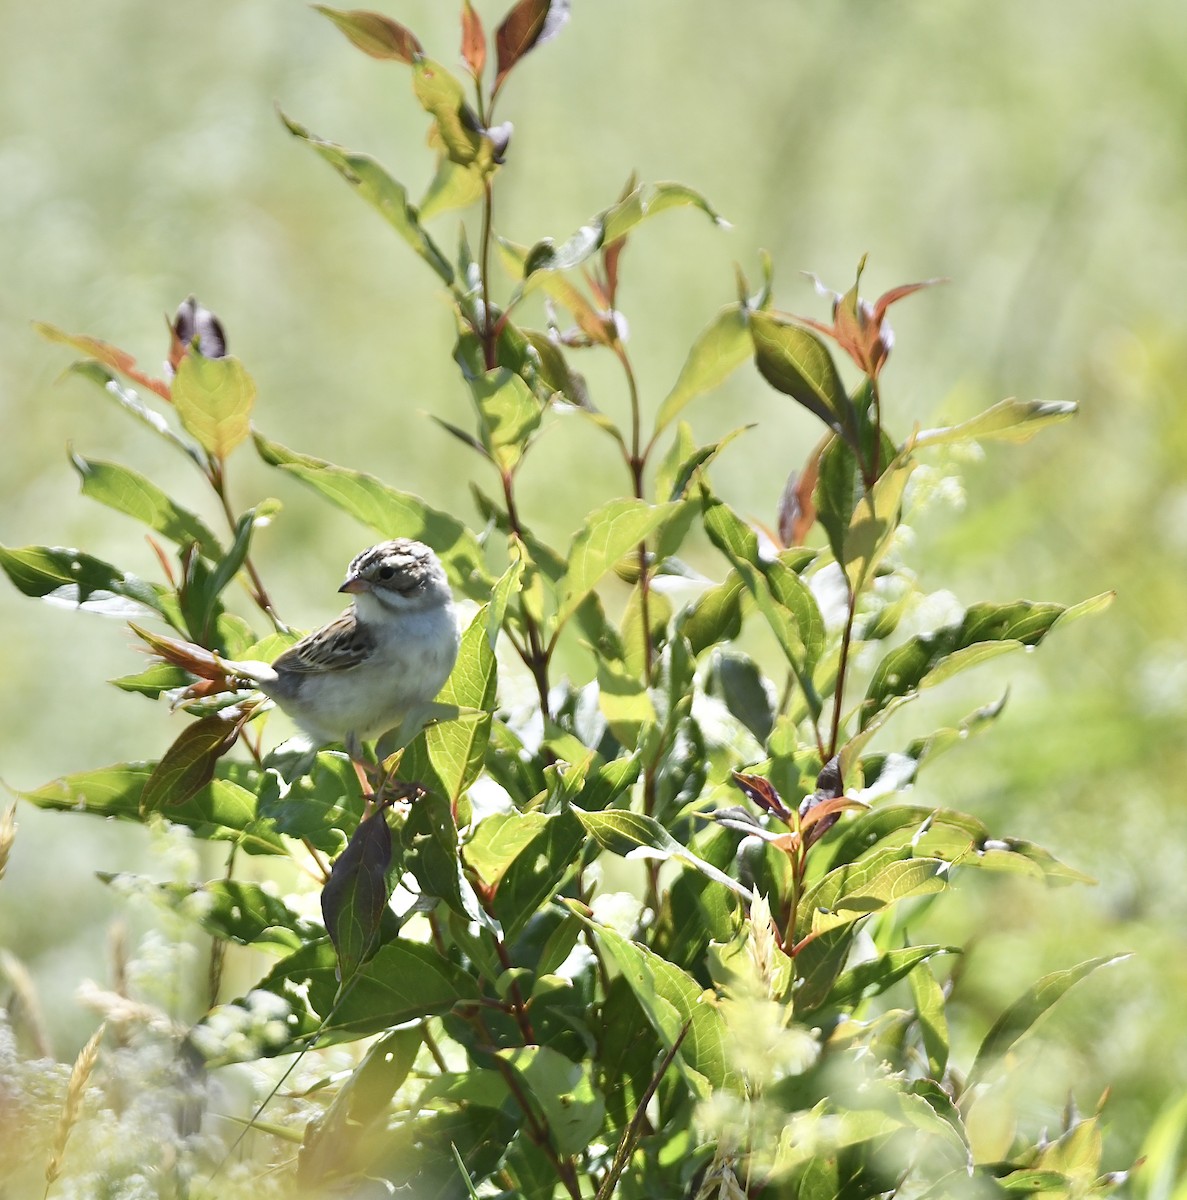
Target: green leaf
{"type": "Point", "coordinates": [536, 872]}
{"type": "Point", "coordinates": [609, 532]}
{"type": "Point", "coordinates": [508, 585]}
{"type": "Point", "coordinates": [130, 401]}
{"type": "Point", "coordinates": [875, 518]}
{"type": "Point", "coordinates": [1007, 421]}
{"type": "Point", "coordinates": [382, 192]}
{"type": "Point", "coordinates": [715, 616]}
{"type": "Point", "coordinates": [244, 913]}
{"type": "Point", "coordinates": [222, 811]}
{"type": "Point", "coordinates": [874, 975]}
{"type": "Point", "coordinates": [985, 631]}
{"type": "Point", "coordinates": [633, 835]}
{"type": "Point", "coordinates": [449, 754]}
{"type": "Point", "coordinates": [442, 97]}
{"type": "Point", "coordinates": [736, 679]}
{"type": "Point", "coordinates": [498, 840]}
{"type": "Point", "coordinates": [624, 700]}
{"type": "Point", "coordinates": [452, 187]}
{"type": "Point", "coordinates": [932, 1018]}
{"type": "Point", "coordinates": [70, 577]}
{"type": "Point", "coordinates": [646, 200]}
{"type": "Point", "coordinates": [530, 23]}
{"type": "Point", "coordinates": [129, 492]}
{"type": "Point", "coordinates": [390, 513]}
{"type": "Point", "coordinates": [355, 896]}
{"type": "Point", "coordinates": [781, 595]}
{"type": "Point", "coordinates": [338, 1133]}
{"type": "Point", "coordinates": [188, 765]}
{"type": "Point", "coordinates": [404, 981]}
{"type": "Point", "coordinates": [153, 680]}
{"type": "Point", "coordinates": [375, 34]}
{"type": "Point", "coordinates": [564, 1091]}
{"type": "Point", "coordinates": [508, 415]}
{"type": "Point", "coordinates": [671, 999]}
{"type": "Point", "coordinates": [719, 349]}
{"type": "Point", "coordinates": [678, 470]}
{"type": "Point", "coordinates": [854, 891]}
{"type": "Point", "coordinates": [214, 398]}
{"type": "Point", "coordinates": [797, 363]}
{"type": "Point", "coordinates": [1028, 1009]}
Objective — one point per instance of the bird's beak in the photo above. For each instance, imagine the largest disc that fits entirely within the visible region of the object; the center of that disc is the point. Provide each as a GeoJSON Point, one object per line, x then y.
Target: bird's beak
{"type": "Point", "coordinates": [355, 584]}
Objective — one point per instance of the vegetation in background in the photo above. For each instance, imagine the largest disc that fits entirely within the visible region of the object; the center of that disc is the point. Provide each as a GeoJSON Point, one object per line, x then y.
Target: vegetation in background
{"type": "Point", "coordinates": [748, 1010]}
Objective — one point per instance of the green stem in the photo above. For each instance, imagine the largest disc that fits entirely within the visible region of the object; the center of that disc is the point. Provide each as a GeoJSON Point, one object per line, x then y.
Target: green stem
{"type": "Point", "coordinates": [842, 667]}
{"type": "Point", "coordinates": [217, 474]}
{"type": "Point", "coordinates": [489, 357]}
{"type": "Point", "coordinates": [537, 656]}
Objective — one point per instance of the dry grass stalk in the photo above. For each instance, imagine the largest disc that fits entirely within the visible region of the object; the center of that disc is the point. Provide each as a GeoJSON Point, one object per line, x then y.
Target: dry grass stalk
{"type": "Point", "coordinates": [76, 1089]}
{"type": "Point", "coordinates": [24, 1007]}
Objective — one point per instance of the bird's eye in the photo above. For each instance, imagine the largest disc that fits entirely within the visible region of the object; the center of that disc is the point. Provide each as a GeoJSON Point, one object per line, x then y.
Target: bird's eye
{"type": "Point", "coordinates": [386, 572]}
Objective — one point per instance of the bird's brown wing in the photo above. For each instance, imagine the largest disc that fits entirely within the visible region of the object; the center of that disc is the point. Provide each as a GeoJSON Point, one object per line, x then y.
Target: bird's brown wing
{"type": "Point", "coordinates": [338, 646]}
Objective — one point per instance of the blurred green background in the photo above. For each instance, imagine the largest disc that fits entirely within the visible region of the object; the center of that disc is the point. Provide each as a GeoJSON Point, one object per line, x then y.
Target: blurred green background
{"type": "Point", "coordinates": [1033, 154]}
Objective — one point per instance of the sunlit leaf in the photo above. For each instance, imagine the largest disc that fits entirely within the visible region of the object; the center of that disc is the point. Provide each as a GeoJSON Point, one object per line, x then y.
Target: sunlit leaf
{"type": "Point", "coordinates": [720, 348]}
{"type": "Point", "coordinates": [609, 532]}
{"type": "Point", "coordinates": [70, 577]}
{"type": "Point", "coordinates": [874, 521]}
{"type": "Point", "coordinates": [214, 398]}
{"type": "Point", "coordinates": [932, 1017]}
{"type": "Point", "coordinates": [473, 40]}
{"type": "Point", "coordinates": [671, 999]}
{"type": "Point", "coordinates": [797, 363]}
{"type": "Point", "coordinates": [565, 1092]}
{"type": "Point", "coordinates": [129, 492]}
{"type": "Point", "coordinates": [390, 513]}
{"type": "Point", "coordinates": [452, 187]}
{"type": "Point", "coordinates": [634, 835]}
{"type": "Point", "coordinates": [441, 95]}
{"type": "Point", "coordinates": [222, 811]}
{"type": "Point", "coordinates": [382, 192]}
{"type": "Point", "coordinates": [375, 34]}
{"type": "Point", "coordinates": [1007, 421]}
{"type": "Point", "coordinates": [874, 975]}
{"type": "Point", "coordinates": [985, 631]}
{"type": "Point", "coordinates": [1028, 1010]}
{"type": "Point", "coordinates": [508, 415]}
{"type": "Point", "coordinates": [853, 891]}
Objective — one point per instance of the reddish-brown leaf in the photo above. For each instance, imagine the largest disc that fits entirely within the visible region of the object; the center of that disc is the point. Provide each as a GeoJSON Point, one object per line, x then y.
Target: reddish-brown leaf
{"type": "Point", "coordinates": [375, 34]}
{"type": "Point", "coordinates": [473, 40]}
{"type": "Point", "coordinates": [105, 353]}
{"type": "Point", "coordinates": [797, 510]}
{"type": "Point", "coordinates": [762, 792]}
{"type": "Point", "coordinates": [188, 765]}
{"type": "Point", "coordinates": [529, 24]}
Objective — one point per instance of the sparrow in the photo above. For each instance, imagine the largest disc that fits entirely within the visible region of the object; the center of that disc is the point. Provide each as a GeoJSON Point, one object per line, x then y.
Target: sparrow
{"type": "Point", "coordinates": [384, 658]}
